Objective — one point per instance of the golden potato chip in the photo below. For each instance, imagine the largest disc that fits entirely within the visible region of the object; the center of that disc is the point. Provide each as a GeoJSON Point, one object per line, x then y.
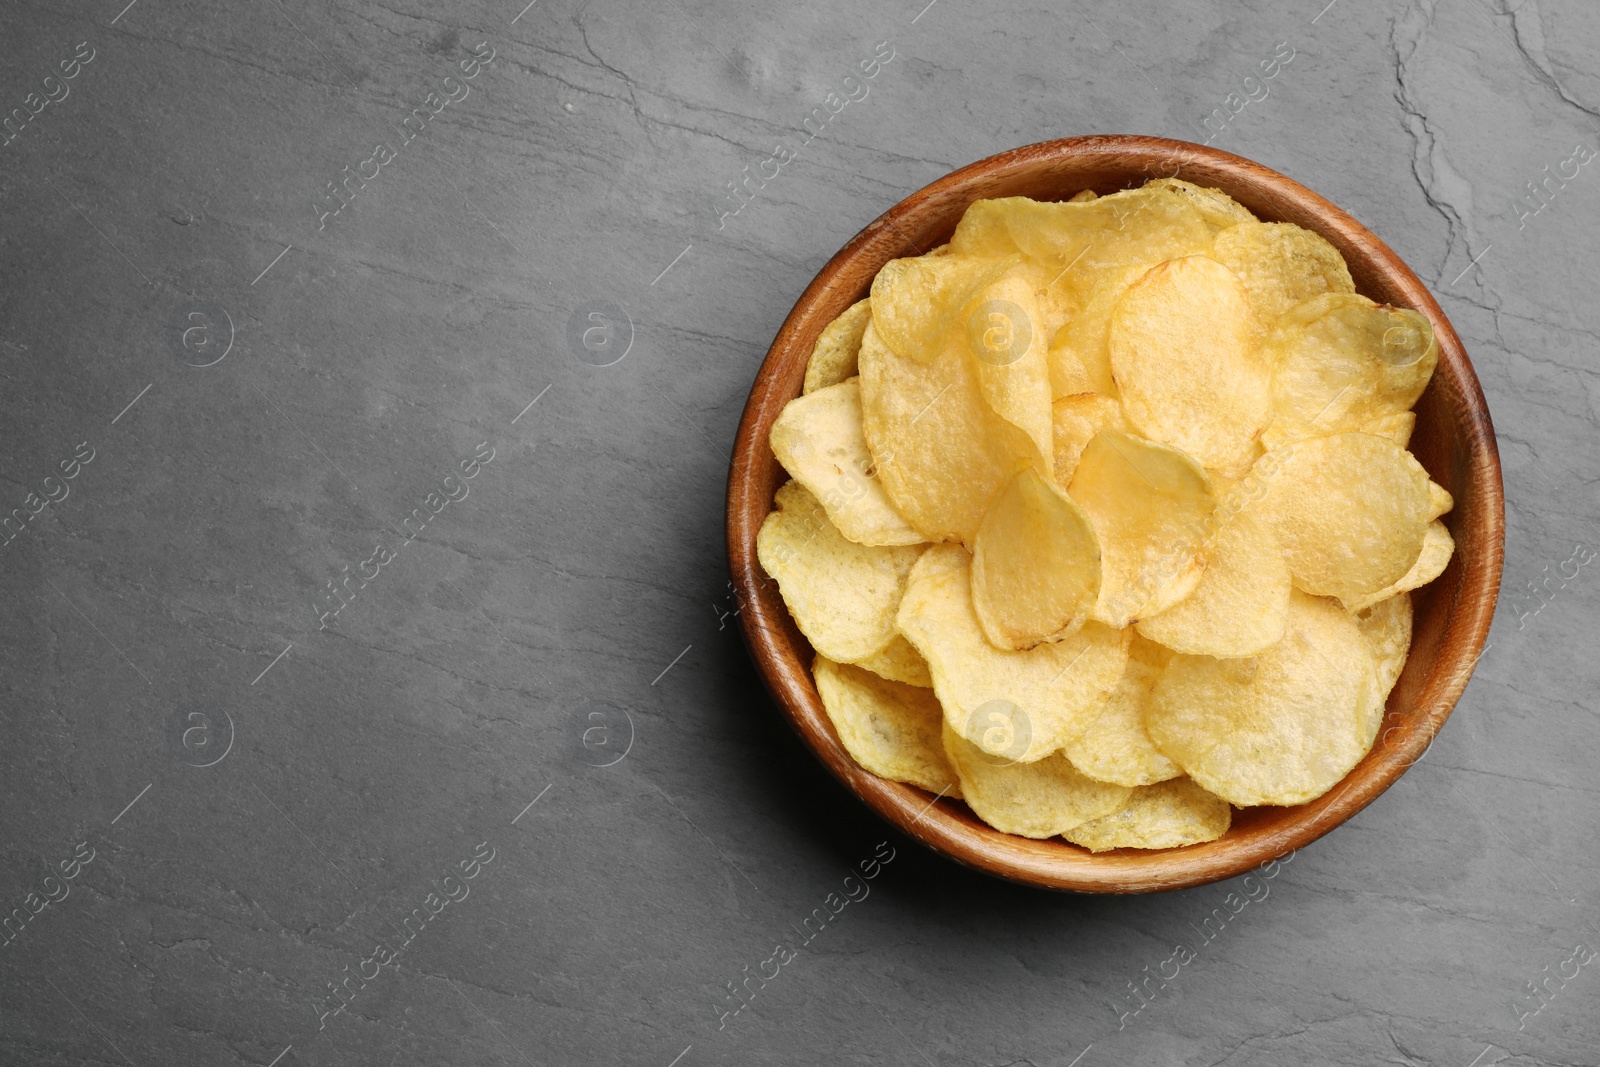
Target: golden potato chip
{"type": "Point", "coordinates": [1015, 705]}
{"type": "Point", "coordinates": [1439, 500]}
{"type": "Point", "coordinates": [1082, 195]}
{"type": "Point", "coordinates": [1186, 368]}
{"type": "Point", "coordinates": [1166, 815]}
{"type": "Point", "coordinates": [1074, 420]}
{"type": "Point", "coordinates": [819, 440]}
{"type": "Point", "coordinates": [1039, 799]}
{"type": "Point", "coordinates": [1387, 627]}
{"type": "Point", "coordinates": [1035, 565]}
{"type": "Point", "coordinates": [1280, 265]}
{"type": "Point", "coordinates": [1116, 748]}
{"type": "Point", "coordinates": [1396, 427]}
{"type": "Point", "coordinates": [1279, 728]}
{"type": "Point", "coordinates": [1080, 352]}
{"type": "Point", "coordinates": [890, 729]}
{"type": "Point", "coordinates": [1215, 206]}
{"type": "Point", "coordinates": [843, 595]}
{"type": "Point", "coordinates": [899, 661]}
{"type": "Point", "coordinates": [1339, 362]}
{"type": "Point", "coordinates": [1437, 548]}
{"type": "Point", "coordinates": [1148, 504]}
{"type": "Point", "coordinates": [1350, 511]}
{"type": "Point", "coordinates": [1080, 240]}
{"type": "Point", "coordinates": [833, 359]}
{"type": "Point", "coordinates": [940, 451]}
{"type": "Point", "coordinates": [915, 300]}
{"type": "Point", "coordinates": [1007, 335]}
{"type": "Point", "coordinates": [1238, 608]}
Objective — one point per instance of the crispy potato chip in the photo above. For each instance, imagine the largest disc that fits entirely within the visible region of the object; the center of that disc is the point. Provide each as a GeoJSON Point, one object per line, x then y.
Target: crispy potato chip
{"type": "Point", "coordinates": [899, 662]}
{"type": "Point", "coordinates": [1040, 799]}
{"type": "Point", "coordinates": [843, 595]}
{"type": "Point", "coordinates": [1239, 607]}
{"type": "Point", "coordinates": [1349, 510]}
{"type": "Point", "coordinates": [1439, 500]}
{"type": "Point", "coordinates": [1080, 352]}
{"type": "Point", "coordinates": [1215, 206]}
{"type": "Point", "coordinates": [1082, 195]}
{"type": "Point", "coordinates": [1148, 504]}
{"type": "Point", "coordinates": [890, 729]}
{"type": "Point", "coordinates": [1074, 420]}
{"type": "Point", "coordinates": [1116, 747]}
{"type": "Point", "coordinates": [833, 359]}
{"type": "Point", "coordinates": [915, 300]}
{"type": "Point", "coordinates": [1396, 427]}
{"type": "Point", "coordinates": [1035, 565]}
{"type": "Point", "coordinates": [1280, 265]}
{"type": "Point", "coordinates": [1279, 728]}
{"type": "Point", "coordinates": [1339, 362]}
{"type": "Point", "coordinates": [1020, 706]}
{"type": "Point", "coordinates": [1126, 228]}
{"type": "Point", "coordinates": [1387, 627]}
{"type": "Point", "coordinates": [1437, 548]}
{"type": "Point", "coordinates": [819, 440]}
{"type": "Point", "coordinates": [1007, 335]}
{"type": "Point", "coordinates": [1186, 369]}
{"type": "Point", "coordinates": [941, 452]}
{"type": "Point", "coordinates": [1166, 815]}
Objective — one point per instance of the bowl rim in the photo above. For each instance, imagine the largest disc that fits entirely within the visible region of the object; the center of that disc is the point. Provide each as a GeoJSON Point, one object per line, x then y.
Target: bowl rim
{"type": "Point", "coordinates": [1054, 863]}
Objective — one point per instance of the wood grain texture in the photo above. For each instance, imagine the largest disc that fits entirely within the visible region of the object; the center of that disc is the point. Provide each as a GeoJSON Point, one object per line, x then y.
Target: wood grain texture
{"type": "Point", "coordinates": [1454, 439]}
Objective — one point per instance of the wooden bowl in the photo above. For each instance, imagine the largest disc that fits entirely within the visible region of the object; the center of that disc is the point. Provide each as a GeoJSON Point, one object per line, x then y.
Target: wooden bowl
{"type": "Point", "coordinates": [1454, 440]}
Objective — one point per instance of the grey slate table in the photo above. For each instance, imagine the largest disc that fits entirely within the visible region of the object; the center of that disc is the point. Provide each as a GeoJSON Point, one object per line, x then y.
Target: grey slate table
{"type": "Point", "coordinates": [371, 687]}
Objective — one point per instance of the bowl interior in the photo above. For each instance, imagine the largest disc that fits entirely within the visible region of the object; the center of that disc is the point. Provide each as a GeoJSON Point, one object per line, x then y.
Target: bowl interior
{"type": "Point", "coordinates": [1453, 439]}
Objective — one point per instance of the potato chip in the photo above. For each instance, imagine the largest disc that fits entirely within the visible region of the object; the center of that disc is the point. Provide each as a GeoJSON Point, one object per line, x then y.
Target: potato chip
{"type": "Point", "coordinates": [1116, 748]}
{"type": "Point", "coordinates": [1279, 728]}
{"type": "Point", "coordinates": [899, 661]}
{"type": "Point", "coordinates": [1215, 206]}
{"type": "Point", "coordinates": [1082, 195]}
{"type": "Point", "coordinates": [1166, 815]}
{"type": "Point", "coordinates": [1035, 565]}
{"type": "Point", "coordinates": [1186, 369]}
{"type": "Point", "coordinates": [1396, 427]}
{"type": "Point", "coordinates": [915, 300]}
{"type": "Point", "coordinates": [819, 440]}
{"type": "Point", "coordinates": [1080, 352]}
{"type": "Point", "coordinates": [1439, 500]}
{"type": "Point", "coordinates": [1016, 705]}
{"type": "Point", "coordinates": [1437, 548]}
{"type": "Point", "coordinates": [843, 595]}
{"type": "Point", "coordinates": [1074, 420]}
{"type": "Point", "coordinates": [1238, 608]}
{"type": "Point", "coordinates": [1350, 511]}
{"type": "Point", "coordinates": [941, 452]}
{"type": "Point", "coordinates": [1387, 627]}
{"type": "Point", "coordinates": [1080, 240]}
{"type": "Point", "coordinates": [1007, 334]}
{"type": "Point", "coordinates": [1280, 265]}
{"type": "Point", "coordinates": [833, 358]}
{"type": "Point", "coordinates": [1040, 799]}
{"type": "Point", "coordinates": [1148, 504]}
{"type": "Point", "coordinates": [1339, 362]}
{"type": "Point", "coordinates": [890, 729]}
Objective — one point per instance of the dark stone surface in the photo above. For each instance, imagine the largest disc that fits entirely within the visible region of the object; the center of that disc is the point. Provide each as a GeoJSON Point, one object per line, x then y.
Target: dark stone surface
{"type": "Point", "coordinates": [290, 809]}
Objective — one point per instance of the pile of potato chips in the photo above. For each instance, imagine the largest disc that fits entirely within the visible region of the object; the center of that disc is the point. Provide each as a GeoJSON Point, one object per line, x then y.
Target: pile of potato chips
{"type": "Point", "coordinates": [1102, 517]}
